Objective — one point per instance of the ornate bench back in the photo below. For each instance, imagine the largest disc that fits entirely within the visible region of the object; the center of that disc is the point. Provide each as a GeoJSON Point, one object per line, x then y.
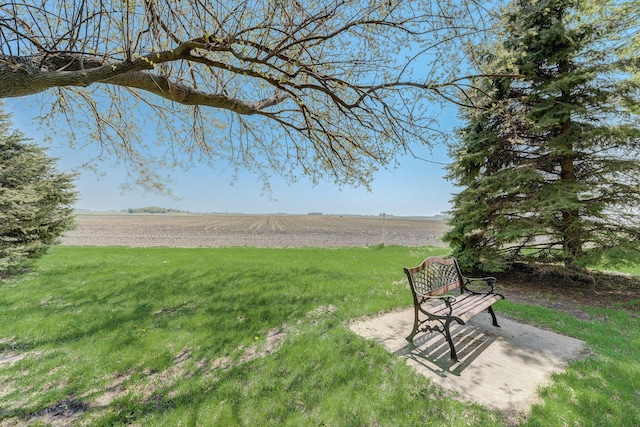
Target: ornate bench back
{"type": "Point", "coordinates": [434, 276]}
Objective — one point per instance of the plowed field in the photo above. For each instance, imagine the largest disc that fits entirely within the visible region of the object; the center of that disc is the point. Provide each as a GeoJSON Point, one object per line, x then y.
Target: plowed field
{"type": "Point", "coordinates": [194, 230]}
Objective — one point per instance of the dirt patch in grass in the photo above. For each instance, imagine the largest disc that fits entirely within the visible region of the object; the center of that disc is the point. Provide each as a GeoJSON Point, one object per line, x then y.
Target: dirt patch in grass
{"type": "Point", "coordinates": [63, 413]}
{"type": "Point", "coordinates": [185, 367]}
{"type": "Point", "coordinates": [571, 293]}
{"type": "Point", "coordinates": [10, 357]}
{"type": "Point", "coordinates": [70, 410]}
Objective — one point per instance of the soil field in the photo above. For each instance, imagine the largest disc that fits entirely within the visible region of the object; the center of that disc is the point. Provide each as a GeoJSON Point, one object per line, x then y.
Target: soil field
{"type": "Point", "coordinates": [220, 230]}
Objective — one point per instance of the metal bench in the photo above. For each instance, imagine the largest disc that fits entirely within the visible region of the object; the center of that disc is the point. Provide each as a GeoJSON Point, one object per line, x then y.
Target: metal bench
{"type": "Point", "coordinates": [442, 295]}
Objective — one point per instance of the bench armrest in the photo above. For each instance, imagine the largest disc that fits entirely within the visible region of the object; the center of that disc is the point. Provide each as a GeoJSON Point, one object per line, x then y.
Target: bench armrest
{"type": "Point", "coordinates": [445, 298]}
{"type": "Point", "coordinates": [448, 300]}
{"type": "Point", "coordinates": [469, 284]}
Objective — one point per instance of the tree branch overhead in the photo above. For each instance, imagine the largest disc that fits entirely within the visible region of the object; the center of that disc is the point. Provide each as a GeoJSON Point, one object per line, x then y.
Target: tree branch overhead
{"type": "Point", "coordinates": [328, 80]}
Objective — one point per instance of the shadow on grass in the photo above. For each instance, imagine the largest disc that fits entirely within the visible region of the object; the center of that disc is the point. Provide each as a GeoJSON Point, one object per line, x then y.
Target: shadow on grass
{"type": "Point", "coordinates": [303, 383]}
{"type": "Point", "coordinates": [243, 302]}
{"type": "Point", "coordinates": [137, 324]}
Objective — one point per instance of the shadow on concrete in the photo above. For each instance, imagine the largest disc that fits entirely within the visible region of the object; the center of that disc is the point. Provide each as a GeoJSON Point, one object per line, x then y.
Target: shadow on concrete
{"type": "Point", "coordinates": [500, 368]}
{"type": "Point", "coordinates": [431, 350]}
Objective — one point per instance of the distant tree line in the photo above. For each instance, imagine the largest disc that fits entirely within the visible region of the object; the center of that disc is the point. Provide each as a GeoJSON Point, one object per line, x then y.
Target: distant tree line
{"type": "Point", "coordinates": [154, 210]}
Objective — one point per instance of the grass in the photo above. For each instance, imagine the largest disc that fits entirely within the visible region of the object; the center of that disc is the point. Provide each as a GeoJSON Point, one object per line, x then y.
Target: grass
{"type": "Point", "coordinates": [601, 390]}
{"type": "Point", "coordinates": [247, 336]}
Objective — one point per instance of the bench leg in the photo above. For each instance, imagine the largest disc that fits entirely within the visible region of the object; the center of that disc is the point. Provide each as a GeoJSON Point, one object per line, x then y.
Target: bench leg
{"type": "Point", "coordinates": [493, 316]}
{"type": "Point", "coordinates": [414, 331]}
{"type": "Point", "coordinates": [447, 335]}
{"type": "Point", "coordinates": [445, 331]}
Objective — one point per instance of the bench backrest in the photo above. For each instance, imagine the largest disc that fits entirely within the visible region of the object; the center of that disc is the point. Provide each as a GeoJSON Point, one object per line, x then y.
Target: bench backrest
{"type": "Point", "coordinates": [435, 276]}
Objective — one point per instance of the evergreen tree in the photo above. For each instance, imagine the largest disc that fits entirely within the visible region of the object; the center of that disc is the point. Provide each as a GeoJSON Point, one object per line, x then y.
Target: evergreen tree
{"type": "Point", "coordinates": [551, 163]}
{"type": "Point", "coordinates": [35, 199]}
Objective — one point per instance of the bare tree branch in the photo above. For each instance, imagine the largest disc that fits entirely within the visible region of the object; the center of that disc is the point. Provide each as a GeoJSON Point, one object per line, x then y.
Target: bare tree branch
{"type": "Point", "coordinates": [331, 87]}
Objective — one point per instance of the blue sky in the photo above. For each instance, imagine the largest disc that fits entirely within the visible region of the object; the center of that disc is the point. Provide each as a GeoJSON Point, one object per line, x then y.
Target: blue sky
{"type": "Point", "coordinates": [416, 188]}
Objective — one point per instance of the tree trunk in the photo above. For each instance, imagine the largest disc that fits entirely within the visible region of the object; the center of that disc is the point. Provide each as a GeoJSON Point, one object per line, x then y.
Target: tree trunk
{"type": "Point", "coordinates": [571, 229]}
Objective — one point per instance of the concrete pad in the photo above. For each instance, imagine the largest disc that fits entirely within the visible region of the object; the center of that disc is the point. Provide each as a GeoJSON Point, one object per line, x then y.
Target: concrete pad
{"type": "Point", "coordinates": [500, 368]}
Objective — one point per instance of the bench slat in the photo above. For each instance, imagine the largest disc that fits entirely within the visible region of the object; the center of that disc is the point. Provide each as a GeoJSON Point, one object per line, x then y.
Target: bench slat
{"type": "Point", "coordinates": [480, 306]}
{"type": "Point", "coordinates": [467, 305]}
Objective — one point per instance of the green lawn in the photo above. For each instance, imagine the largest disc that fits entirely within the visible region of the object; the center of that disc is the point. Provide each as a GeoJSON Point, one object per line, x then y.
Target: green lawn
{"type": "Point", "coordinates": [256, 337]}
